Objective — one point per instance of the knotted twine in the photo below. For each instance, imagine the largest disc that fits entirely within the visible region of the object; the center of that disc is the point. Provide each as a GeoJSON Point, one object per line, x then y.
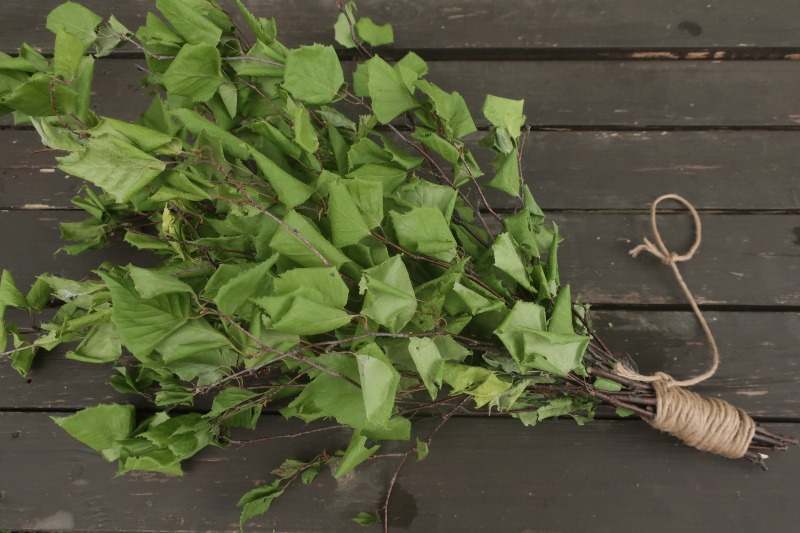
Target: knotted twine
{"type": "Point", "coordinates": [708, 424]}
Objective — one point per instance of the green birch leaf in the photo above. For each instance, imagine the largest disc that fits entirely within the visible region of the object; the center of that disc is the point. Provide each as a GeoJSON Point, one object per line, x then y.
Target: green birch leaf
{"type": "Point", "coordinates": [143, 323]}
{"type": "Point", "coordinates": [343, 34]}
{"type": "Point", "coordinates": [304, 133]}
{"type": "Point", "coordinates": [258, 501]}
{"type": "Point", "coordinates": [450, 108]}
{"type": "Point", "coordinates": [308, 317]}
{"type": "Point", "coordinates": [324, 284]}
{"type": "Point", "coordinates": [24, 352]}
{"type": "Point", "coordinates": [482, 384]}
{"type": "Point", "coordinates": [537, 215]}
{"type": "Point", "coordinates": [378, 381]}
{"type": "Point", "coordinates": [101, 345]}
{"type": "Point", "coordinates": [355, 454]}
{"type": "Point", "coordinates": [368, 196]}
{"type": "Point", "coordinates": [74, 19]}
{"type": "Point", "coordinates": [117, 167]}
{"type": "Point", "coordinates": [389, 176]}
{"type": "Point", "coordinates": [424, 230]}
{"type": "Point", "coordinates": [507, 259]}
{"type": "Point", "coordinates": [197, 124]}
{"type": "Point", "coordinates": [313, 74]}
{"type": "Point", "coordinates": [144, 138]}
{"type": "Point", "coordinates": [229, 398]}
{"type": "Point", "coordinates": [161, 461]}
{"type": "Point", "coordinates": [561, 317]}
{"type": "Point", "coordinates": [389, 296]}
{"type": "Point", "coordinates": [10, 296]}
{"type": "Point", "coordinates": [524, 316]}
{"type": "Point", "coordinates": [300, 241]}
{"type": "Point", "coordinates": [110, 36]}
{"type": "Point", "coordinates": [101, 427]}
{"type": "Point", "coordinates": [507, 178]}
{"type": "Point", "coordinates": [607, 385]}
{"type": "Point", "coordinates": [423, 193]}
{"type": "Point", "coordinates": [230, 97]}
{"type": "Point", "coordinates": [150, 283]}
{"type": "Point", "coordinates": [429, 363]}
{"type": "Point", "coordinates": [347, 225]}
{"type": "Point", "coordinates": [234, 295]}
{"type": "Point", "coordinates": [33, 97]}
{"type": "Point", "coordinates": [38, 295]}
{"type": "Point", "coordinates": [264, 29]}
{"type": "Point", "coordinates": [556, 407]}
{"type": "Point", "coordinates": [196, 349]}
{"type": "Point", "coordinates": [374, 34]}
{"type": "Point", "coordinates": [414, 63]}
{"type": "Point", "coordinates": [194, 73]}
{"type": "Point", "coordinates": [558, 353]}
{"type": "Point", "coordinates": [367, 519]}
{"type": "Point", "coordinates": [67, 55]}
{"type": "Point", "coordinates": [507, 117]}
{"type": "Point", "coordinates": [291, 191]}
{"type": "Point", "coordinates": [389, 93]}
{"type": "Point", "coordinates": [55, 137]}
{"type": "Point", "coordinates": [157, 37]}
{"type": "Point", "coordinates": [188, 23]}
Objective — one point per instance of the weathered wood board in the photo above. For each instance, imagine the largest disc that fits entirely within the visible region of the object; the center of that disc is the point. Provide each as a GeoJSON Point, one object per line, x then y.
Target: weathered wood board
{"type": "Point", "coordinates": [481, 475]}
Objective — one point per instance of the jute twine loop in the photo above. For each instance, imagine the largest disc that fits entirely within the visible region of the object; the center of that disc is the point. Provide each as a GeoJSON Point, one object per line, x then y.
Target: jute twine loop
{"type": "Point", "coordinates": [708, 424]}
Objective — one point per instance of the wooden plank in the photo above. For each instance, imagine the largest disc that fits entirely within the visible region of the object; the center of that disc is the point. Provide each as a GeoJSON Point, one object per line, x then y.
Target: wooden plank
{"type": "Point", "coordinates": [605, 476]}
{"type": "Point", "coordinates": [744, 260]}
{"type": "Point", "coordinates": [730, 170]}
{"type": "Point", "coordinates": [760, 370]}
{"type": "Point", "coordinates": [477, 25]}
{"type": "Point", "coordinates": [598, 94]}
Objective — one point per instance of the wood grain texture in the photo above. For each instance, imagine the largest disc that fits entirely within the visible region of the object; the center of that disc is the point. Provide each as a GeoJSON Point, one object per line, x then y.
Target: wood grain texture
{"type": "Point", "coordinates": [725, 170]}
{"type": "Point", "coordinates": [760, 369]}
{"type": "Point", "coordinates": [475, 25]}
{"type": "Point", "coordinates": [744, 260]}
{"type": "Point", "coordinates": [566, 94]}
{"type": "Point", "coordinates": [606, 476]}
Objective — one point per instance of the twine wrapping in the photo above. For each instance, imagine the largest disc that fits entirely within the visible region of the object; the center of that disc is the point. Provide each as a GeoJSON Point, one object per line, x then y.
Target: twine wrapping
{"type": "Point", "coordinates": [708, 424]}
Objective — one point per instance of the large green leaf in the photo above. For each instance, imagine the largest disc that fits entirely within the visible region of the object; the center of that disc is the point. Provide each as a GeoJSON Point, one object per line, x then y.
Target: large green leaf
{"type": "Point", "coordinates": [194, 73]}
{"type": "Point", "coordinates": [424, 230]}
{"type": "Point", "coordinates": [301, 241]}
{"type": "Point", "coordinates": [482, 384]}
{"type": "Point", "coordinates": [450, 108]}
{"type": "Point", "coordinates": [234, 295]}
{"type": "Point", "coordinates": [347, 225]}
{"type": "Point", "coordinates": [308, 317]}
{"type": "Point", "coordinates": [429, 363]}
{"type": "Point", "coordinates": [119, 168]}
{"type": "Point", "coordinates": [143, 322]}
{"type": "Point", "coordinates": [389, 296]}
{"type": "Point", "coordinates": [150, 283]}
{"type": "Point", "coordinates": [76, 20]}
{"type": "Point", "coordinates": [379, 381]}
{"type": "Point", "coordinates": [355, 454]}
{"type": "Point", "coordinates": [291, 191]}
{"type": "Point", "coordinates": [389, 93]}
{"type": "Point", "coordinates": [101, 345]}
{"type": "Point", "coordinates": [507, 259]}
{"type": "Point", "coordinates": [67, 55]}
{"type": "Point", "coordinates": [324, 284]}
{"type": "Point", "coordinates": [313, 74]}
{"type": "Point", "coordinates": [189, 24]}
{"type": "Point", "coordinates": [101, 427]}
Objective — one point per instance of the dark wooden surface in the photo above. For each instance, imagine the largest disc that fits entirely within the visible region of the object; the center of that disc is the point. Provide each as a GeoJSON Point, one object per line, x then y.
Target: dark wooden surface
{"type": "Point", "coordinates": [627, 100]}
